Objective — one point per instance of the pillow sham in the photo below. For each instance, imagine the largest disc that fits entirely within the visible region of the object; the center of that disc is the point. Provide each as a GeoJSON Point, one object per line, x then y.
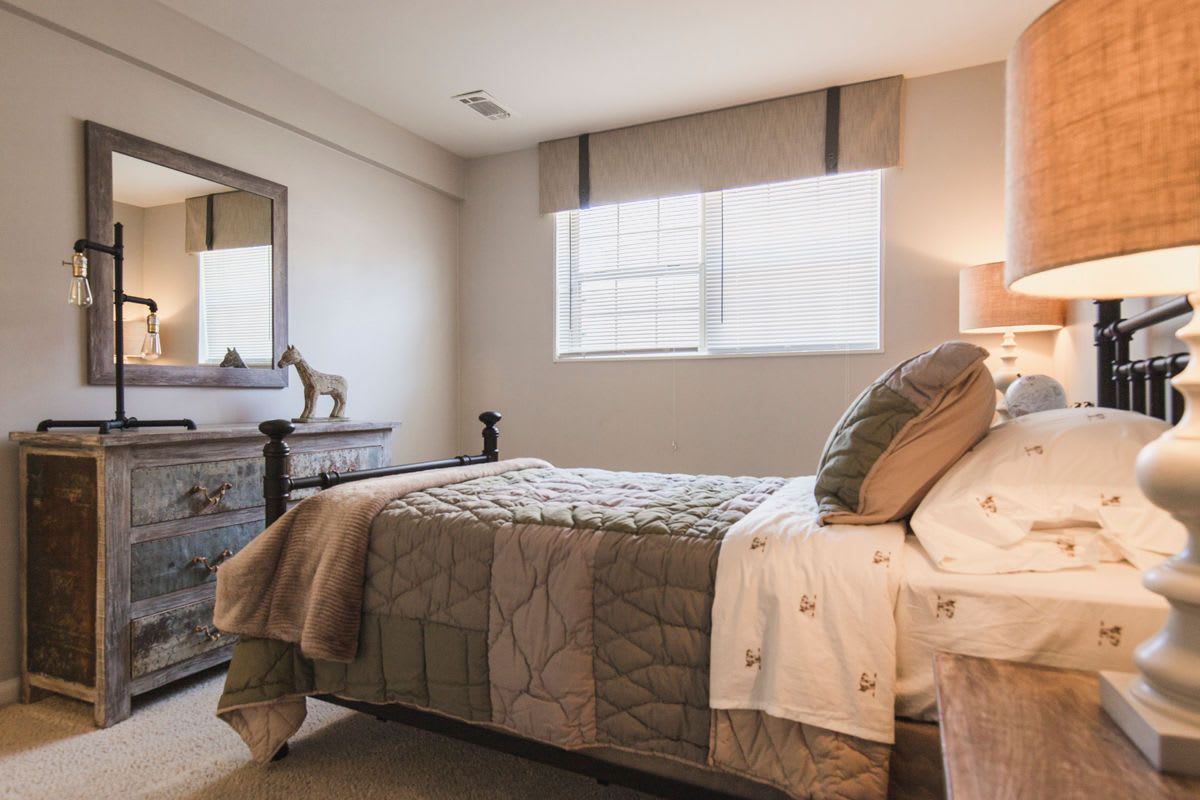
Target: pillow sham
{"type": "Point", "coordinates": [902, 433]}
{"type": "Point", "coordinates": [1048, 491]}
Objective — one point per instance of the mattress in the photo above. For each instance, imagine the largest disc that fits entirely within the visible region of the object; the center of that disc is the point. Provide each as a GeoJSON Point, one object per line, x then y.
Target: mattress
{"type": "Point", "coordinates": [1089, 618]}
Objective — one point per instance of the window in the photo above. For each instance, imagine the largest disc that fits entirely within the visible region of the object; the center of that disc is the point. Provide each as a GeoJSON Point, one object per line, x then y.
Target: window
{"type": "Point", "coordinates": [235, 287]}
{"type": "Point", "coordinates": [781, 268]}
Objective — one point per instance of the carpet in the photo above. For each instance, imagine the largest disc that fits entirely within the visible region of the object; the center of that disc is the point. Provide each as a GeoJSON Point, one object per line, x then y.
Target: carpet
{"type": "Point", "coordinates": [174, 747]}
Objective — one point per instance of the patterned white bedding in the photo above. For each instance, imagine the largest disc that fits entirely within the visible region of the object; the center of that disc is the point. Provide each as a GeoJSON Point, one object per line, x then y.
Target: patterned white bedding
{"type": "Point", "coordinates": [837, 626]}
{"type": "Point", "coordinates": [1089, 618]}
{"type": "Point", "coordinates": [803, 617]}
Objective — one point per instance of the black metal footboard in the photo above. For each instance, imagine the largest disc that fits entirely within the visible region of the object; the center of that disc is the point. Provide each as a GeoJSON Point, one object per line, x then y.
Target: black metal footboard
{"type": "Point", "coordinates": [278, 485]}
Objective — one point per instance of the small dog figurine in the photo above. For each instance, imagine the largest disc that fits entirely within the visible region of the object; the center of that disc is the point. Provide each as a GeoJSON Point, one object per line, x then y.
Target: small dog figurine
{"type": "Point", "coordinates": [315, 385]}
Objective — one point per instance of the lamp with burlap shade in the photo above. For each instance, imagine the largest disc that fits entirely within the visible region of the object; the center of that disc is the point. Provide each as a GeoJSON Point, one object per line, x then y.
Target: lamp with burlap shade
{"type": "Point", "coordinates": [1103, 201]}
{"type": "Point", "coordinates": [1103, 151]}
{"type": "Point", "coordinates": [986, 306]}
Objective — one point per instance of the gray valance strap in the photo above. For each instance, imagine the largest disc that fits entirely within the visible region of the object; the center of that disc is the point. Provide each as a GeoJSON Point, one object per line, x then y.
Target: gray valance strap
{"type": "Point", "coordinates": [833, 127]}
{"type": "Point", "coordinates": [842, 129]}
{"type": "Point", "coordinates": [227, 220]}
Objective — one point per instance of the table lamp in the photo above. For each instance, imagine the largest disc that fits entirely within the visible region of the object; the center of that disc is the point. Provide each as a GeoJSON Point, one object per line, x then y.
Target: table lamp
{"type": "Point", "coordinates": [80, 294]}
{"type": "Point", "coordinates": [1103, 201]}
{"type": "Point", "coordinates": [985, 305]}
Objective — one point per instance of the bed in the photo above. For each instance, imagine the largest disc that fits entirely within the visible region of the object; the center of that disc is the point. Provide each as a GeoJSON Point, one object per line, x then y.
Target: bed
{"type": "Point", "coordinates": [568, 615]}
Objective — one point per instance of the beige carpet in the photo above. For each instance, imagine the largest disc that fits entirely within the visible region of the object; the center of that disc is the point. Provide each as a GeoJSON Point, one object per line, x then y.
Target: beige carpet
{"type": "Point", "coordinates": [174, 747]}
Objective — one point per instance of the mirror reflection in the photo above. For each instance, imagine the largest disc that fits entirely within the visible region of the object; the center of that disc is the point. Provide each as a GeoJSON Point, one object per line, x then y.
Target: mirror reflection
{"type": "Point", "coordinates": [202, 251]}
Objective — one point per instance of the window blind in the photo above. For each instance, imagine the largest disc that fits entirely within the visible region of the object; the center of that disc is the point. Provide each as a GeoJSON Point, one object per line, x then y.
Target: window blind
{"type": "Point", "coordinates": [235, 304]}
{"type": "Point", "coordinates": [785, 267]}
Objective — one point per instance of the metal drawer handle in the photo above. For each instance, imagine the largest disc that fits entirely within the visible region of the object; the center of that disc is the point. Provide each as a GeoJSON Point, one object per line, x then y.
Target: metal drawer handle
{"type": "Point", "coordinates": [210, 632]}
{"type": "Point", "coordinates": [212, 564]}
{"type": "Point", "coordinates": [212, 499]}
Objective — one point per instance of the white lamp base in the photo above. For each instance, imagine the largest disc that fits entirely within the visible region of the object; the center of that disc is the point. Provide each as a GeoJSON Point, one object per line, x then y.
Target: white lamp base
{"type": "Point", "coordinates": [1007, 373]}
{"type": "Point", "coordinates": [1169, 741]}
{"type": "Point", "coordinates": [1159, 709]}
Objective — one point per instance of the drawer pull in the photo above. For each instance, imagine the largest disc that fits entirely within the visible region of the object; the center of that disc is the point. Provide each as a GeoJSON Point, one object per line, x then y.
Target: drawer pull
{"type": "Point", "coordinates": [212, 564]}
{"type": "Point", "coordinates": [210, 632]}
{"type": "Point", "coordinates": [212, 499]}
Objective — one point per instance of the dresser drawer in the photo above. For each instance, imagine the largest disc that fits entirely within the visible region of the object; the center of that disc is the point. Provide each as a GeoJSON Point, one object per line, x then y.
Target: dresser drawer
{"type": "Point", "coordinates": [162, 493]}
{"type": "Point", "coordinates": [162, 566]}
{"type": "Point", "coordinates": [173, 636]}
{"type": "Point", "coordinates": [342, 460]}
{"type": "Point", "coordinates": [158, 494]}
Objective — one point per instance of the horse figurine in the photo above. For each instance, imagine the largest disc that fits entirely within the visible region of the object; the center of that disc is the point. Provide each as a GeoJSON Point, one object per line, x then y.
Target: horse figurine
{"type": "Point", "coordinates": [233, 359]}
{"type": "Point", "coordinates": [315, 385]}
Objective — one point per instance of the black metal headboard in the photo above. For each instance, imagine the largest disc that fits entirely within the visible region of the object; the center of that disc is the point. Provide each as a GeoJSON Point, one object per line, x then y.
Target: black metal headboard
{"type": "Point", "coordinates": [1142, 385]}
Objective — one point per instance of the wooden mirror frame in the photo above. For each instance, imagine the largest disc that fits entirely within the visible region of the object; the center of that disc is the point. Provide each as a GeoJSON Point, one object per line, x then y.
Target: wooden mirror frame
{"type": "Point", "coordinates": [100, 143]}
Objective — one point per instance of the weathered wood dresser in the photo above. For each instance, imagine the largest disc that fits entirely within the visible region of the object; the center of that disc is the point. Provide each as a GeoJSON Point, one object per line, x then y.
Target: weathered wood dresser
{"type": "Point", "coordinates": [121, 538]}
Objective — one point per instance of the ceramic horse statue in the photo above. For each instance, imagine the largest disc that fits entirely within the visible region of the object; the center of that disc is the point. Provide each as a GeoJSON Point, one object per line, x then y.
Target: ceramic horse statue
{"type": "Point", "coordinates": [315, 385]}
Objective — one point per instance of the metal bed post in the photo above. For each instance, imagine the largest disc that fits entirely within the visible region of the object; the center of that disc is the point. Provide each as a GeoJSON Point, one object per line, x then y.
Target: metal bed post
{"type": "Point", "coordinates": [1108, 313]}
{"type": "Point", "coordinates": [277, 484]}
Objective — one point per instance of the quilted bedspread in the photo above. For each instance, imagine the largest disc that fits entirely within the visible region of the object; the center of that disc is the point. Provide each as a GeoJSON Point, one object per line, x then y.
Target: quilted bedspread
{"type": "Point", "coordinates": [571, 606]}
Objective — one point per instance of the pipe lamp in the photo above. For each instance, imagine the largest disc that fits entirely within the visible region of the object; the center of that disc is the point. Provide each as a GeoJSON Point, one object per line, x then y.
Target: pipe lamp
{"type": "Point", "coordinates": [81, 295]}
{"type": "Point", "coordinates": [1103, 201]}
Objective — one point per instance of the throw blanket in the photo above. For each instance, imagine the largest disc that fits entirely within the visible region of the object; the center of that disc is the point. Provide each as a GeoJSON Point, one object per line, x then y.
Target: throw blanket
{"type": "Point", "coordinates": [301, 579]}
{"type": "Point", "coordinates": [568, 606]}
{"type": "Point", "coordinates": [803, 623]}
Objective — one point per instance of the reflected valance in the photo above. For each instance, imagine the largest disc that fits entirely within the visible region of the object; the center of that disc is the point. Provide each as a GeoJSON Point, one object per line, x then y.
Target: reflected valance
{"type": "Point", "coordinates": [227, 220]}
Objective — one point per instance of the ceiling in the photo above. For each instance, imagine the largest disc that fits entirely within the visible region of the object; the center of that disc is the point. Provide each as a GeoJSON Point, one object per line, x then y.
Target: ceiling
{"type": "Point", "coordinates": [568, 66]}
{"type": "Point", "coordinates": [146, 185]}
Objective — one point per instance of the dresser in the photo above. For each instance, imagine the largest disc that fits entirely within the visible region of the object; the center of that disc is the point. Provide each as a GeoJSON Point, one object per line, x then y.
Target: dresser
{"type": "Point", "coordinates": [122, 536]}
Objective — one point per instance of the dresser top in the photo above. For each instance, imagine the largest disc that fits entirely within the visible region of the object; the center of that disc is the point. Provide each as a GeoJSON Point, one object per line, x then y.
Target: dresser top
{"type": "Point", "coordinates": [64, 437]}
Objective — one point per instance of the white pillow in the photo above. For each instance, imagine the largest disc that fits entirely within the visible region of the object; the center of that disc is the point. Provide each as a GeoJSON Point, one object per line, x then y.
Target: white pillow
{"type": "Point", "coordinates": [1047, 491]}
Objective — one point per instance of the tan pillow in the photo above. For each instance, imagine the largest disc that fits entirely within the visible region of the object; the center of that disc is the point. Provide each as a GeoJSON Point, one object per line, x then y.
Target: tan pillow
{"type": "Point", "coordinates": [902, 434]}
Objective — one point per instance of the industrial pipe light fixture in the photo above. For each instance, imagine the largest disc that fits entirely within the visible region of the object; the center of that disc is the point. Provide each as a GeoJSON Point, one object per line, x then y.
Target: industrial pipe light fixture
{"type": "Point", "coordinates": [81, 295]}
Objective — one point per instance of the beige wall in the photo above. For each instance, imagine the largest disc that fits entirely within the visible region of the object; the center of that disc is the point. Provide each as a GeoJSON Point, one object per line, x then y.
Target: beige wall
{"type": "Point", "coordinates": [171, 275]}
{"type": "Point", "coordinates": [372, 258]}
{"type": "Point", "coordinates": [942, 211]}
{"type": "Point", "coordinates": [186, 52]}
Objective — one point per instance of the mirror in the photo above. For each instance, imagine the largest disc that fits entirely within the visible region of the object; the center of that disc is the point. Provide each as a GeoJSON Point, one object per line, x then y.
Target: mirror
{"type": "Point", "coordinates": [208, 244]}
{"type": "Point", "coordinates": [202, 250]}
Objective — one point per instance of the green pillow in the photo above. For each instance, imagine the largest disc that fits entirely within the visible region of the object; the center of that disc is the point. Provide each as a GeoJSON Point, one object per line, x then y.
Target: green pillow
{"type": "Point", "coordinates": [903, 432]}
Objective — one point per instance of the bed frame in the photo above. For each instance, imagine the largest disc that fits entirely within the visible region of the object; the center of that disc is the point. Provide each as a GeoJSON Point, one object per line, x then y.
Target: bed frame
{"type": "Point", "coordinates": [1142, 385]}
{"type": "Point", "coordinates": [1137, 385]}
{"type": "Point", "coordinates": [278, 486]}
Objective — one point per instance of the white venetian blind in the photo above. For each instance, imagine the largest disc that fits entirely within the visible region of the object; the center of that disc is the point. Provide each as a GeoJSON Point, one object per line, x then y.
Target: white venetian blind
{"type": "Point", "coordinates": [794, 266]}
{"type": "Point", "coordinates": [629, 278]}
{"type": "Point", "coordinates": [786, 267]}
{"type": "Point", "coordinates": [235, 304]}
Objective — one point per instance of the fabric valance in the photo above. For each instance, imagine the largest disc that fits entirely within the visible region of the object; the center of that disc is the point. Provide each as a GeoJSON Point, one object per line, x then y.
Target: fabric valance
{"type": "Point", "coordinates": [841, 129]}
{"type": "Point", "coordinates": [227, 220]}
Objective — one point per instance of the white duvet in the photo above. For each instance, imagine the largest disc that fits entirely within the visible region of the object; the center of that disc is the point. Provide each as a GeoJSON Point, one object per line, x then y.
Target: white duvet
{"type": "Point", "coordinates": [803, 617]}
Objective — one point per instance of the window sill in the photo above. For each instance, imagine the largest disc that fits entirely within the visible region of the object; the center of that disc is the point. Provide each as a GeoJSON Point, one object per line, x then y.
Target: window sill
{"type": "Point", "coordinates": [712, 356]}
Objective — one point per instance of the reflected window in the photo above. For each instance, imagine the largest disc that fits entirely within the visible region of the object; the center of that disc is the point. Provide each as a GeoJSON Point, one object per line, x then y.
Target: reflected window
{"type": "Point", "coordinates": [235, 287]}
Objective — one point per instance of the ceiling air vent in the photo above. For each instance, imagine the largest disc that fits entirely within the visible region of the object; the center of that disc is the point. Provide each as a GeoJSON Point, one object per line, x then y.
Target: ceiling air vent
{"type": "Point", "coordinates": [483, 103]}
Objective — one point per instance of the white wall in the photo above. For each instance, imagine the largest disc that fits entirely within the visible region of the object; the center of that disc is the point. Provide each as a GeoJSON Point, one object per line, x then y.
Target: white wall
{"type": "Point", "coordinates": [943, 210]}
{"type": "Point", "coordinates": [373, 255]}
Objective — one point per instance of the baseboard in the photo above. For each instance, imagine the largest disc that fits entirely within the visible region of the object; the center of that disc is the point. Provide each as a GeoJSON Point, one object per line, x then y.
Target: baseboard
{"type": "Point", "coordinates": [10, 691]}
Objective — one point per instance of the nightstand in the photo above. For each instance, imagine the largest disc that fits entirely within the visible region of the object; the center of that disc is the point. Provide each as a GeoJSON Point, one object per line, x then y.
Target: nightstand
{"type": "Point", "coordinates": [1014, 730]}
